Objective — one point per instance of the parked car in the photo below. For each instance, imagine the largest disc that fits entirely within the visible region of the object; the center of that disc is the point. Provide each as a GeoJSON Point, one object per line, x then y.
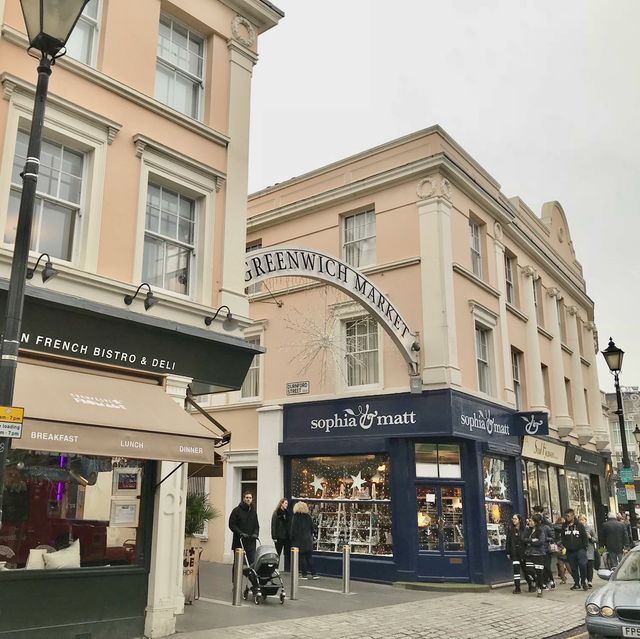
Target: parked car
{"type": "Point", "coordinates": [614, 610]}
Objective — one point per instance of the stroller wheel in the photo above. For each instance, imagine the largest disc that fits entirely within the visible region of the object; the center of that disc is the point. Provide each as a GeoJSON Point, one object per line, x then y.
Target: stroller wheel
{"type": "Point", "coordinates": [245, 593]}
{"type": "Point", "coordinates": [264, 597]}
{"type": "Point", "coordinates": [256, 599]}
{"type": "Point", "coordinates": [281, 598]}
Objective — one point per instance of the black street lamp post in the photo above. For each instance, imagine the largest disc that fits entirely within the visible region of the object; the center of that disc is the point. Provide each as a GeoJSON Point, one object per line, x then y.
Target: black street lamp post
{"type": "Point", "coordinates": [613, 356]}
{"type": "Point", "coordinates": [49, 26]}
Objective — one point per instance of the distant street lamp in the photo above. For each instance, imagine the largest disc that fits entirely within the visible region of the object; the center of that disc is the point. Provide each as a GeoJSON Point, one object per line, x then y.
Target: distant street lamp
{"type": "Point", "coordinates": [49, 25]}
{"type": "Point", "coordinates": [613, 356]}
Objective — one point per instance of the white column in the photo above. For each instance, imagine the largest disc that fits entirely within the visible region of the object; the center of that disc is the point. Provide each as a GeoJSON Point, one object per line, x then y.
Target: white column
{"type": "Point", "coordinates": [165, 598]}
{"type": "Point", "coordinates": [583, 429]}
{"type": "Point", "coordinates": [241, 61]}
{"type": "Point", "coordinates": [535, 385]}
{"type": "Point", "coordinates": [561, 419]}
{"type": "Point", "coordinates": [508, 392]}
{"type": "Point", "coordinates": [599, 426]}
{"type": "Point", "coordinates": [270, 467]}
{"type": "Point", "coordinates": [436, 270]}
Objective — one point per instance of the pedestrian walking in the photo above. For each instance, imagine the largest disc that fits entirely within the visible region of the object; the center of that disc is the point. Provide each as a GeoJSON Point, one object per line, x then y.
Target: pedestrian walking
{"type": "Point", "coordinates": [535, 550]}
{"type": "Point", "coordinates": [592, 548]}
{"type": "Point", "coordinates": [280, 525]}
{"type": "Point", "coordinates": [562, 565]}
{"type": "Point", "coordinates": [615, 539]}
{"type": "Point", "coordinates": [574, 538]}
{"type": "Point", "coordinates": [243, 523]}
{"type": "Point", "coordinates": [552, 548]}
{"type": "Point", "coordinates": [515, 550]}
{"type": "Point", "coordinates": [302, 538]}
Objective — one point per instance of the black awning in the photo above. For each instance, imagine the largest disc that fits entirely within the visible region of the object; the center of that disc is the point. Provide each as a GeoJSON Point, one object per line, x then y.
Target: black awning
{"type": "Point", "coordinates": [64, 325]}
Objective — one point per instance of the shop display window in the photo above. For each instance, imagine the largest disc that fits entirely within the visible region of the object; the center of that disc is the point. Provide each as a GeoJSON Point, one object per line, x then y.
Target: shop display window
{"type": "Point", "coordinates": [540, 482]}
{"type": "Point", "coordinates": [349, 501]}
{"type": "Point", "coordinates": [438, 460]}
{"type": "Point", "coordinates": [70, 511]}
{"type": "Point", "coordinates": [497, 501]}
{"type": "Point", "coordinates": [579, 492]}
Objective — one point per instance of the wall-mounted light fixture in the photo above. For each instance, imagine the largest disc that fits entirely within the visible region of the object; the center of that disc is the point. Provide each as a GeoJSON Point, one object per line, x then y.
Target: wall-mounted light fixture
{"type": "Point", "coordinates": [149, 301]}
{"type": "Point", "coordinates": [47, 272]}
{"type": "Point", "coordinates": [230, 322]}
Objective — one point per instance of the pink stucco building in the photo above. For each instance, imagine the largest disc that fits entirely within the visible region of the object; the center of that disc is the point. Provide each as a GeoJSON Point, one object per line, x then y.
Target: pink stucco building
{"type": "Point", "coordinates": [415, 454]}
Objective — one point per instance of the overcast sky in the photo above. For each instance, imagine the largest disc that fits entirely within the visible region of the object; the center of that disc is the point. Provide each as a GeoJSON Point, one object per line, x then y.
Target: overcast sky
{"type": "Point", "coordinates": [545, 95]}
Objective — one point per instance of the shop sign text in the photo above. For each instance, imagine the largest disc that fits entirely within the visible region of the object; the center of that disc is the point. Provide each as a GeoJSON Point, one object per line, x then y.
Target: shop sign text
{"type": "Point", "coordinates": [100, 352]}
{"type": "Point", "coordinates": [482, 420]}
{"type": "Point", "coordinates": [364, 418]}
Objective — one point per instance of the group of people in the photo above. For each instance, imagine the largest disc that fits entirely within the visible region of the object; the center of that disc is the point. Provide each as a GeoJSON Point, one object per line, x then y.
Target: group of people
{"type": "Point", "coordinates": [570, 541]}
{"type": "Point", "coordinates": [287, 530]}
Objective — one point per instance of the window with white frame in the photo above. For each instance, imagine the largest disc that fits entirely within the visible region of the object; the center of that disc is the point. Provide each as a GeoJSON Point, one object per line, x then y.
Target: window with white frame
{"type": "Point", "coordinates": [58, 197]}
{"type": "Point", "coordinates": [361, 351]}
{"type": "Point", "coordinates": [537, 300]}
{"type": "Point", "coordinates": [251, 385]}
{"type": "Point", "coordinates": [483, 358]}
{"type": "Point", "coordinates": [256, 245]}
{"type": "Point", "coordinates": [169, 239]}
{"type": "Point", "coordinates": [475, 242]}
{"type": "Point", "coordinates": [84, 38]}
{"type": "Point", "coordinates": [179, 67]}
{"type": "Point", "coordinates": [516, 371]}
{"type": "Point", "coordinates": [359, 238]}
{"type": "Point", "coordinates": [562, 320]}
{"type": "Point", "coordinates": [509, 277]}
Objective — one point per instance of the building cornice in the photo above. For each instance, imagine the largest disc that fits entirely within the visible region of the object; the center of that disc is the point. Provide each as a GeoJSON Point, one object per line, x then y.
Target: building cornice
{"type": "Point", "coordinates": [460, 270]}
{"type": "Point", "coordinates": [12, 85]}
{"type": "Point", "coordinates": [264, 15]}
{"type": "Point", "coordinates": [132, 95]}
{"type": "Point", "coordinates": [142, 143]}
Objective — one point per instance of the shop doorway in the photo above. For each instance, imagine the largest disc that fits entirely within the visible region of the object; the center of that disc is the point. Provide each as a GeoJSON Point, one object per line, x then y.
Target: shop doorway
{"type": "Point", "coordinates": [442, 553]}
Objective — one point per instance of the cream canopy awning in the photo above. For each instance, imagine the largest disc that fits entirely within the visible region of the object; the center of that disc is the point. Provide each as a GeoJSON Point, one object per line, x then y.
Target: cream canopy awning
{"type": "Point", "coordinates": [69, 411]}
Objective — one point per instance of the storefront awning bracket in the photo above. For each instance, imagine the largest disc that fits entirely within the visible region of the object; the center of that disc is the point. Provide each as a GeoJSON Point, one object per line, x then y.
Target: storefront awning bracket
{"type": "Point", "coordinates": [226, 435]}
{"type": "Point", "coordinates": [178, 467]}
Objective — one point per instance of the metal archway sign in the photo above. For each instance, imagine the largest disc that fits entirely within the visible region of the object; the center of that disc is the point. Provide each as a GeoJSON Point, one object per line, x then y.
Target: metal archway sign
{"type": "Point", "coordinates": [295, 261]}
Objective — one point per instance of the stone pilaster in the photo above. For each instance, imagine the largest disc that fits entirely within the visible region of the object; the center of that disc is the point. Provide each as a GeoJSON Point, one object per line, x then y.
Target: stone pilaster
{"type": "Point", "coordinates": [535, 384]}
{"type": "Point", "coordinates": [599, 425]}
{"type": "Point", "coordinates": [582, 427]}
{"type": "Point", "coordinates": [560, 417]}
{"type": "Point", "coordinates": [436, 266]}
{"type": "Point", "coordinates": [165, 598]}
{"type": "Point", "coordinates": [508, 393]}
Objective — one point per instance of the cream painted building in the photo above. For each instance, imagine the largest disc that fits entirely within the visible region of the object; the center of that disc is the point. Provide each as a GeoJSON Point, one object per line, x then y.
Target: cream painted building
{"type": "Point", "coordinates": [417, 463]}
{"type": "Point", "coordinates": [143, 179]}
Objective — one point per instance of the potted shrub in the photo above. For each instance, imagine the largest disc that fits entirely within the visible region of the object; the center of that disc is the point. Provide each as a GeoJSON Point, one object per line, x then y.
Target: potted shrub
{"type": "Point", "coordinates": [199, 512]}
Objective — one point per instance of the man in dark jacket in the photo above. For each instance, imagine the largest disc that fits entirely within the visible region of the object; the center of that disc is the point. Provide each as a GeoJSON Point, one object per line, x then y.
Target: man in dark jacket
{"type": "Point", "coordinates": [575, 540]}
{"type": "Point", "coordinates": [243, 523]}
{"type": "Point", "coordinates": [615, 538]}
{"type": "Point", "coordinates": [549, 532]}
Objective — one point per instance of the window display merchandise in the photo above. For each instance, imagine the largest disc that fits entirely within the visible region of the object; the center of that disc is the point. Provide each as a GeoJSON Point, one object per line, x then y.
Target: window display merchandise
{"type": "Point", "coordinates": [348, 497]}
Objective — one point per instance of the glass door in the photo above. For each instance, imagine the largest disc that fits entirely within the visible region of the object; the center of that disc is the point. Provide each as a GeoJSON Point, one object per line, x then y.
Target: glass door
{"type": "Point", "coordinates": [441, 541]}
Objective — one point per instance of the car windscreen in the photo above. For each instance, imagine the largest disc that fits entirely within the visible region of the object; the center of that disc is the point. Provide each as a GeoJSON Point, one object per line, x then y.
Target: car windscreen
{"type": "Point", "coordinates": [629, 568]}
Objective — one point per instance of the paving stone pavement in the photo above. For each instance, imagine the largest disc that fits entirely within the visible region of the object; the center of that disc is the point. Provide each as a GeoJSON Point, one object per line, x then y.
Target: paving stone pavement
{"type": "Point", "coordinates": [493, 615]}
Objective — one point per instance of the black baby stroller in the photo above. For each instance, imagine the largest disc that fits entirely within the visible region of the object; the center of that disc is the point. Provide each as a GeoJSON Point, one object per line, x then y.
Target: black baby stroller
{"type": "Point", "coordinates": [263, 575]}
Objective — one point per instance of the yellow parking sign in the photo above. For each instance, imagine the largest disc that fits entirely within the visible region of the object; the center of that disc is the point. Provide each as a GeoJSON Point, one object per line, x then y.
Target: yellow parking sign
{"type": "Point", "coordinates": [11, 421]}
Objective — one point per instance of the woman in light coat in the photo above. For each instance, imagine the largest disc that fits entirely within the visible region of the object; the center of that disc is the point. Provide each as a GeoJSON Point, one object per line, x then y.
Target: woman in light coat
{"type": "Point", "coordinates": [592, 548]}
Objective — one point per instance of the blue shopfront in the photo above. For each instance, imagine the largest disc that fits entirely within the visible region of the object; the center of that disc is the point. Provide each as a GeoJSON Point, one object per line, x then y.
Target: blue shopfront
{"type": "Point", "coordinates": [421, 487]}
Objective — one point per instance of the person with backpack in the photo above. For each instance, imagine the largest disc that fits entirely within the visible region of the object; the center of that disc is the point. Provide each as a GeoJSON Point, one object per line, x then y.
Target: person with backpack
{"type": "Point", "coordinates": [552, 548]}
{"type": "Point", "coordinates": [574, 539]}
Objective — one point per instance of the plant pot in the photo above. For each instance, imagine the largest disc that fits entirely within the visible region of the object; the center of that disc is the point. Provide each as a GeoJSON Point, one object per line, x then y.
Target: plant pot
{"type": "Point", "coordinates": [190, 567]}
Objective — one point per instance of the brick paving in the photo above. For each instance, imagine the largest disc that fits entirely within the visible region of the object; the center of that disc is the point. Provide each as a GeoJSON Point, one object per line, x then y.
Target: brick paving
{"type": "Point", "coordinates": [493, 615]}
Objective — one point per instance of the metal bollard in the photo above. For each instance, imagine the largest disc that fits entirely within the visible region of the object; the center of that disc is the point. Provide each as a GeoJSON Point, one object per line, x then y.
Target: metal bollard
{"type": "Point", "coordinates": [295, 557]}
{"type": "Point", "coordinates": [238, 562]}
{"type": "Point", "coordinates": [346, 569]}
